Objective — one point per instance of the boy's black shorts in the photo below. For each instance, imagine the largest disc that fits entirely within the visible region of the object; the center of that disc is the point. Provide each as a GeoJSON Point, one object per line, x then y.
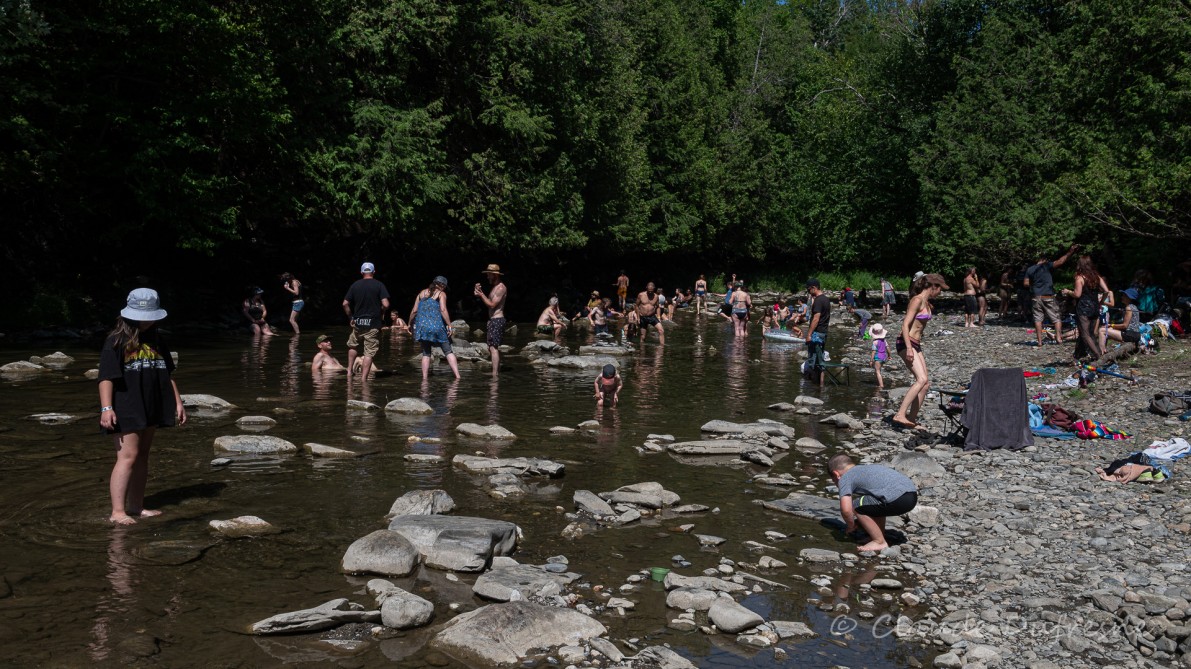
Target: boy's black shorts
{"type": "Point", "coordinates": [877, 509]}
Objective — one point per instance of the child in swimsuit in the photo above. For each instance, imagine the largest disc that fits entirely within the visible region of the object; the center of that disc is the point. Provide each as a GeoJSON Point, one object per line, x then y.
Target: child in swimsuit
{"type": "Point", "coordinates": [608, 385]}
{"type": "Point", "coordinates": [880, 351]}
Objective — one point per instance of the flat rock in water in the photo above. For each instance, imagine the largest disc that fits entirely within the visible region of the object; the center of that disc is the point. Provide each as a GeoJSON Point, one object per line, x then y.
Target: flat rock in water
{"type": "Point", "coordinates": [661, 657]}
{"type": "Point", "coordinates": [332, 614]}
{"type": "Point", "coordinates": [494, 432]}
{"type": "Point", "coordinates": [757, 457]}
{"type": "Point", "coordinates": [409, 406]}
{"type": "Point", "coordinates": [206, 403]}
{"type": "Point", "coordinates": [676, 580]}
{"type": "Point", "coordinates": [255, 421]}
{"type": "Point", "coordinates": [504, 633]}
{"type": "Point", "coordinates": [21, 367]}
{"type": "Point", "coordinates": [808, 401]}
{"type": "Point", "coordinates": [422, 503]}
{"type": "Point", "coordinates": [786, 629]}
{"type": "Point", "coordinates": [562, 430]}
{"type": "Point", "coordinates": [643, 499]}
{"type": "Point", "coordinates": [583, 361]}
{"type": "Point", "coordinates": [606, 350]}
{"type": "Point", "coordinates": [664, 438]}
{"type": "Point", "coordinates": [360, 405]}
{"type": "Point", "coordinates": [727, 427]}
{"type": "Point", "coordinates": [244, 526]}
{"type": "Point", "coordinates": [56, 359]}
{"type": "Point", "coordinates": [324, 451]}
{"type": "Point", "coordinates": [590, 503]}
{"type": "Point", "coordinates": [457, 543]}
{"type": "Point", "coordinates": [711, 447]}
{"type": "Point", "coordinates": [731, 617]}
{"type": "Point", "coordinates": [782, 406]}
{"type": "Point", "coordinates": [519, 466]}
{"type": "Point", "coordinates": [507, 584]}
{"type": "Point", "coordinates": [843, 420]}
{"type": "Point", "coordinates": [709, 540]}
{"type": "Point", "coordinates": [806, 506]}
{"type": "Point", "coordinates": [422, 457]}
{"type": "Point", "coordinates": [54, 418]}
{"type": "Point", "coordinates": [383, 552]}
{"type": "Point", "coordinates": [256, 444]}
{"type": "Point", "coordinates": [685, 598]}
{"type": "Point", "coordinates": [809, 445]}
{"type": "Point", "coordinates": [690, 508]}
{"type": "Point", "coordinates": [818, 555]}
{"type": "Point", "coordinates": [913, 463]}
{"type": "Point", "coordinates": [543, 346]}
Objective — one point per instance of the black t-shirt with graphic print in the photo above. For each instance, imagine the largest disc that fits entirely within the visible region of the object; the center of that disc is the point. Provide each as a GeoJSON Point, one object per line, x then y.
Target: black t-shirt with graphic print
{"type": "Point", "coordinates": [142, 394]}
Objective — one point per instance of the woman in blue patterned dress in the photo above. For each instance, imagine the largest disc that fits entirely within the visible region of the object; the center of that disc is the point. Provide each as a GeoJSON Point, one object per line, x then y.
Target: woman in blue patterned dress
{"type": "Point", "coordinates": [432, 324]}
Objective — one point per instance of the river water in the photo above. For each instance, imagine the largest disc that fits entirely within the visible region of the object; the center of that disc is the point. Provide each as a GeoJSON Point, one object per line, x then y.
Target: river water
{"type": "Point", "coordinates": [168, 592]}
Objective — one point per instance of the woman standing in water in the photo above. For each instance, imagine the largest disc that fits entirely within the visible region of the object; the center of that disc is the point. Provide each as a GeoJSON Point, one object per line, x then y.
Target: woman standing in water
{"type": "Point", "coordinates": [909, 346]}
{"type": "Point", "coordinates": [431, 324]}
{"type": "Point", "coordinates": [294, 287]}
{"type": "Point", "coordinates": [136, 396]}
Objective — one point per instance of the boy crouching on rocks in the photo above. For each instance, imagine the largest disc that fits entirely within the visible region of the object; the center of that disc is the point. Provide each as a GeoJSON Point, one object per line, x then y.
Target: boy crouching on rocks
{"type": "Point", "coordinates": [868, 494]}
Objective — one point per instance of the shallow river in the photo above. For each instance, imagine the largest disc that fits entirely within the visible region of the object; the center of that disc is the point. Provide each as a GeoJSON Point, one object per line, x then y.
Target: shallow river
{"type": "Point", "coordinates": [168, 592]}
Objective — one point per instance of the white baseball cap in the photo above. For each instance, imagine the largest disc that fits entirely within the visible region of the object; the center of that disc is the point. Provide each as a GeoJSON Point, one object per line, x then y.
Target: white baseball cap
{"type": "Point", "coordinates": [367, 268]}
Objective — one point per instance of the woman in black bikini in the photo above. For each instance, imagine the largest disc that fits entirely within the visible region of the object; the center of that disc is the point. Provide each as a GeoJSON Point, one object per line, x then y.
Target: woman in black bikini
{"type": "Point", "coordinates": [909, 346]}
{"type": "Point", "coordinates": [1089, 286]}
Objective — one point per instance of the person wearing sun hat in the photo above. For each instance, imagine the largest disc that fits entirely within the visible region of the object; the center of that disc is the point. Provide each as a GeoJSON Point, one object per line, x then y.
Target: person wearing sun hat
{"type": "Point", "coordinates": [137, 395]}
{"type": "Point", "coordinates": [495, 301]}
{"type": "Point", "coordinates": [880, 350]}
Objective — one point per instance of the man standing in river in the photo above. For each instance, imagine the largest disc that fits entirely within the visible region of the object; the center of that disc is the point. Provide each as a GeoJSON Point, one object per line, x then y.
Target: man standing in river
{"type": "Point", "coordinates": [647, 311]}
{"type": "Point", "coordinates": [622, 289]}
{"type": "Point", "coordinates": [816, 333]}
{"type": "Point", "coordinates": [495, 301]}
{"type": "Point", "coordinates": [364, 303]}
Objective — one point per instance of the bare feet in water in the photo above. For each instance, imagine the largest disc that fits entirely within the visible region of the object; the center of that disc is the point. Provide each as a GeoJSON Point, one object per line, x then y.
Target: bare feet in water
{"type": "Point", "coordinates": [873, 546]}
{"type": "Point", "coordinates": [130, 519]}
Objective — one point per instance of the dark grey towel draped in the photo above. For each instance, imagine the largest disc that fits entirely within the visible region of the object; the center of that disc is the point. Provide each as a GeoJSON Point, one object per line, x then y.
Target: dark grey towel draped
{"type": "Point", "coordinates": [995, 411]}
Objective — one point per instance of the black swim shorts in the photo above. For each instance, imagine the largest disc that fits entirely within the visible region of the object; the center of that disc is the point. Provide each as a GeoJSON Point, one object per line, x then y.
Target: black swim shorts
{"type": "Point", "coordinates": [869, 506]}
{"type": "Point", "coordinates": [649, 321]}
{"type": "Point", "coordinates": [496, 332]}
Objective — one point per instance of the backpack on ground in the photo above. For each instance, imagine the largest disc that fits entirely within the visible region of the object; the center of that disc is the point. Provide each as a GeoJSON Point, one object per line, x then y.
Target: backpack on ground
{"type": "Point", "coordinates": [1167, 404]}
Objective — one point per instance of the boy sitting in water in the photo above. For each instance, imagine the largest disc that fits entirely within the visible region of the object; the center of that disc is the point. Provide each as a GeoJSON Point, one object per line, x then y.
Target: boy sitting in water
{"type": "Point", "coordinates": [608, 385]}
{"type": "Point", "coordinates": [868, 494]}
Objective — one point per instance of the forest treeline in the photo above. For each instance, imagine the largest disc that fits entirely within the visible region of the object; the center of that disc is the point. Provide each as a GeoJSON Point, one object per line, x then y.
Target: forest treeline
{"type": "Point", "coordinates": [892, 135]}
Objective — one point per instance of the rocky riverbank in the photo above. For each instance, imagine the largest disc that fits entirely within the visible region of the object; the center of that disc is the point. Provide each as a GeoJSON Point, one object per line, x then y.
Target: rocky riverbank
{"type": "Point", "coordinates": [1032, 560]}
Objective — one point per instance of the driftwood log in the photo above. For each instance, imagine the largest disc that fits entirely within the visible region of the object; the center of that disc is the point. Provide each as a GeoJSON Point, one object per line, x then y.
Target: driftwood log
{"type": "Point", "coordinates": [1116, 355]}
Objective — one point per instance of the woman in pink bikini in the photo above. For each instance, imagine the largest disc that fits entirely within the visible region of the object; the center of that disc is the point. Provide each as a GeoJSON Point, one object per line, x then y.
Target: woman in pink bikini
{"type": "Point", "coordinates": [909, 346]}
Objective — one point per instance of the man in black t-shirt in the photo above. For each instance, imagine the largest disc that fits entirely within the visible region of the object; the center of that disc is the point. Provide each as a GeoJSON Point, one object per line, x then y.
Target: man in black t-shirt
{"type": "Point", "coordinates": [364, 303]}
{"type": "Point", "coordinates": [816, 333]}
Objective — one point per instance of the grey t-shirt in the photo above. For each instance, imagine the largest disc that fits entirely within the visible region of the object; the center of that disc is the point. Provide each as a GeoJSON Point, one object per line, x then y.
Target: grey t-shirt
{"type": "Point", "coordinates": [877, 481]}
{"type": "Point", "coordinates": [1041, 280]}
{"type": "Point", "coordinates": [863, 314]}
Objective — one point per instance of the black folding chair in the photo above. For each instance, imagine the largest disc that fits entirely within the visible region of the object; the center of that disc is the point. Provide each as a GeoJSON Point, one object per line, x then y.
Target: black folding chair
{"type": "Point", "coordinates": [951, 403]}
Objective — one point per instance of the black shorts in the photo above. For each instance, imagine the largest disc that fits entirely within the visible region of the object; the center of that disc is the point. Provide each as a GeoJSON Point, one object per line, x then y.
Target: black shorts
{"type": "Point", "coordinates": [496, 332]}
{"type": "Point", "coordinates": [877, 509]}
{"type": "Point", "coordinates": [649, 321]}
{"type": "Point", "coordinates": [1130, 336]}
{"type": "Point", "coordinates": [971, 305]}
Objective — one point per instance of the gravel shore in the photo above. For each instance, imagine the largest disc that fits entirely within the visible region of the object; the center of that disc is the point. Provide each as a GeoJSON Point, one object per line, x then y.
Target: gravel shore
{"type": "Point", "coordinates": [1032, 561]}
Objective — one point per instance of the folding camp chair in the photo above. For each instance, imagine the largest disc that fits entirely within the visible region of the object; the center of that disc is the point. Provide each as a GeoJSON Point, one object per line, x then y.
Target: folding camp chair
{"type": "Point", "coordinates": [951, 403]}
{"type": "Point", "coordinates": [834, 371]}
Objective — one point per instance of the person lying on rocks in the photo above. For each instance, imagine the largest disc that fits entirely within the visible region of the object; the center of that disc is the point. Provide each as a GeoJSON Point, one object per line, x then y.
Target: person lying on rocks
{"type": "Point", "coordinates": [1134, 467]}
{"type": "Point", "coordinates": [868, 494]}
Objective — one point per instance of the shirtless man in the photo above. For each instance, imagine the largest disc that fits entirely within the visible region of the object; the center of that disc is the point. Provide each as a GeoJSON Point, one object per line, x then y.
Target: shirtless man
{"type": "Point", "coordinates": [323, 360]}
{"type": "Point", "coordinates": [598, 320]}
{"type": "Point", "coordinates": [622, 288]}
{"type": "Point", "coordinates": [647, 312]}
{"type": "Point", "coordinates": [971, 304]}
{"type": "Point", "coordinates": [551, 321]}
{"type": "Point", "coordinates": [701, 294]}
{"type": "Point", "coordinates": [495, 301]}
{"type": "Point", "coordinates": [742, 302]}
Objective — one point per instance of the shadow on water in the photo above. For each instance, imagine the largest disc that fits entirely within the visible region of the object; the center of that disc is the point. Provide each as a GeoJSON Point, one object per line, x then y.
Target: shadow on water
{"type": "Point", "coordinates": [170, 592]}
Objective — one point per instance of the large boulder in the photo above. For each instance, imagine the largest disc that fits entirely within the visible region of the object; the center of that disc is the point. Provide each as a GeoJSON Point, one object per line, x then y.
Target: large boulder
{"type": "Point", "coordinates": [691, 598]}
{"type": "Point", "coordinates": [583, 362]}
{"type": "Point", "coordinates": [409, 406]}
{"type": "Point", "coordinates": [519, 466]}
{"type": "Point", "coordinates": [493, 432]}
{"type": "Point", "coordinates": [513, 583]}
{"type": "Point", "coordinates": [727, 427]}
{"type": "Point", "coordinates": [913, 463]}
{"type": "Point", "coordinates": [502, 634]}
{"type": "Point", "coordinates": [591, 504]}
{"type": "Point", "coordinates": [21, 367]}
{"type": "Point", "coordinates": [382, 552]}
{"type": "Point", "coordinates": [58, 359]}
{"type": "Point", "coordinates": [457, 543]}
{"type": "Point", "coordinates": [206, 403]}
{"type": "Point", "coordinates": [422, 503]}
{"type": "Point", "coordinates": [255, 444]}
{"type": "Point", "coordinates": [731, 617]}
{"type": "Point", "coordinates": [325, 616]}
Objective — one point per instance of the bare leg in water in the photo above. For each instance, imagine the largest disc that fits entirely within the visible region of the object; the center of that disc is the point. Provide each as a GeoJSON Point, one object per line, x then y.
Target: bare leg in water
{"type": "Point", "coordinates": [129, 477]}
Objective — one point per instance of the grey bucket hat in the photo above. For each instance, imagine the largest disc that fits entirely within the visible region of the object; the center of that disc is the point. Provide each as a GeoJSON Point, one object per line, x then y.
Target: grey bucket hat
{"type": "Point", "coordinates": [144, 306]}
